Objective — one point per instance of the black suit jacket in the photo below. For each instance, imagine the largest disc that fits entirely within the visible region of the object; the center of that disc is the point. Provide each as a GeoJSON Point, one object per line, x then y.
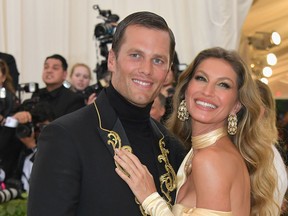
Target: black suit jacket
{"type": "Point", "coordinates": [10, 60]}
{"type": "Point", "coordinates": [74, 170]}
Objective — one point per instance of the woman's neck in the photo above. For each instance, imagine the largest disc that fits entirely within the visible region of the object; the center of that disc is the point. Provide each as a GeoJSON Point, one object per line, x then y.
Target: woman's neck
{"type": "Point", "coordinates": [208, 139]}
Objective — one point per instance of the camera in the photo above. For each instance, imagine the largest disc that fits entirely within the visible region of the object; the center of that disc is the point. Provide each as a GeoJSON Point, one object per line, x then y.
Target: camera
{"type": "Point", "coordinates": [40, 112]}
{"type": "Point", "coordinates": [91, 89]}
{"type": "Point", "coordinates": [25, 130]}
{"type": "Point", "coordinates": [29, 87]}
{"type": "Point", "coordinates": [104, 31]}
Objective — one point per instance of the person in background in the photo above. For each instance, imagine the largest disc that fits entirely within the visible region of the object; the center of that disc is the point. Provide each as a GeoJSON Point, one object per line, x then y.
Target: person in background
{"type": "Point", "coordinates": [80, 77]}
{"type": "Point", "coordinates": [158, 107]}
{"type": "Point", "coordinates": [168, 88]}
{"type": "Point", "coordinates": [74, 170]}
{"type": "Point", "coordinates": [11, 62]}
{"type": "Point", "coordinates": [18, 136]}
{"type": "Point", "coordinates": [8, 98]}
{"type": "Point", "coordinates": [268, 115]}
{"type": "Point", "coordinates": [229, 169]}
{"type": "Point", "coordinates": [42, 115]}
{"type": "Point", "coordinates": [284, 132]}
{"type": "Point", "coordinates": [10, 147]}
{"type": "Point", "coordinates": [61, 99]}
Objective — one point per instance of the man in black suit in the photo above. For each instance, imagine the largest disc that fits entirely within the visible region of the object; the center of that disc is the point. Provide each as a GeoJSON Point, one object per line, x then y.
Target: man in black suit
{"type": "Point", "coordinates": [10, 60]}
{"type": "Point", "coordinates": [74, 170]}
{"type": "Point", "coordinates": [61, 99]}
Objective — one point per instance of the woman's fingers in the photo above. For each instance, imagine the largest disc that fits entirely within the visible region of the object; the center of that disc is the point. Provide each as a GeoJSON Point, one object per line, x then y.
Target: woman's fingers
{"type": "Point", "coordinates": [135, 174]}
{"type": "Point", "coordinates": [127, 163]}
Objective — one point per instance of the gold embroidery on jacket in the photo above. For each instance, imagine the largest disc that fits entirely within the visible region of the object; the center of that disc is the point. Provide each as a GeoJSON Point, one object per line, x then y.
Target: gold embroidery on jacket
{"type": "Point", "coordinates": [167, 180]}
{"type": "Point", "coordinates": [113, 139]}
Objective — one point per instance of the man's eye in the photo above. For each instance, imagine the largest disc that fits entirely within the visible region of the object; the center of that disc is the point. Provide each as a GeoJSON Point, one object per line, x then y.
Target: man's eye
{"type": "Point", "coordinates": [158, 61]}
{"type": "Point", "coordinates": [135, 55]}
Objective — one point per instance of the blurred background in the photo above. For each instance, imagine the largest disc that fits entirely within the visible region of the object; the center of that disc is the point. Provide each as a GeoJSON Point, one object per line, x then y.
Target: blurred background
{"type": "Point", "coordinates": [33, 30]}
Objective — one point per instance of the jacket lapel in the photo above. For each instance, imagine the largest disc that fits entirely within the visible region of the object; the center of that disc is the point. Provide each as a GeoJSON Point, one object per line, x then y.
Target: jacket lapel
{"type": "Point", "coordinates": [167, 175]}
{"type": "Point", "coordinates": [113, 135]}
{"type": "Point", "coordinates": [110, 128]}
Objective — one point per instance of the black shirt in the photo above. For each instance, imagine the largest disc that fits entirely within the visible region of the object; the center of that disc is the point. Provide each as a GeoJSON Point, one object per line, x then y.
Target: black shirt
{"type": "Point", "coordinates": [136, 122]}
{"type": "Point", "coordinates": [62, 100]}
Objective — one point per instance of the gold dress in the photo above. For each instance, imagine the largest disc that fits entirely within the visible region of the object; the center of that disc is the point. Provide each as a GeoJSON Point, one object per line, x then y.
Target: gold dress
{"type": "Point", "coordinates": [154, 205]}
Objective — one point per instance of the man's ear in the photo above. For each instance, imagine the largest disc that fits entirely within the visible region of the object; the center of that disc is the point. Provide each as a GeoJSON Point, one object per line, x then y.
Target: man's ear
{"type": "Point", "coordinates": [111, 63]}
{"type": "Point", "coordinates": [65, 75]}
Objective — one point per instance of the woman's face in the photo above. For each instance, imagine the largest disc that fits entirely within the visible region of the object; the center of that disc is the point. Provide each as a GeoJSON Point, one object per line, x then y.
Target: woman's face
{"type": "Point", "coordinates": [212, 93]}
{"type": "Point", "coordinates": [80, 78]}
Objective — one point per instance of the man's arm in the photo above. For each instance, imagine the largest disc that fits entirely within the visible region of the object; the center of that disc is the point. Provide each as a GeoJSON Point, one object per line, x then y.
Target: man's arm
{"type": "Point", "coordinates": [55, 179]}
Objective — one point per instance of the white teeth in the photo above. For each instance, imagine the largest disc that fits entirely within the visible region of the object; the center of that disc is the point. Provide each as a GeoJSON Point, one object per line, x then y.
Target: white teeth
{"type": "Point", "coordinates": [142, 83]}
{"type": "Point", "coordinates": [206, 104]}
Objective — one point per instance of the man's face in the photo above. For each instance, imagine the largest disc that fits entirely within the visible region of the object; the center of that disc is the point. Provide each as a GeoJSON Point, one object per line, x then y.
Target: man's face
{"type": "Point", "coordinates": [142, 64]}
{"type": "Point", "coordinates": [53, 73]}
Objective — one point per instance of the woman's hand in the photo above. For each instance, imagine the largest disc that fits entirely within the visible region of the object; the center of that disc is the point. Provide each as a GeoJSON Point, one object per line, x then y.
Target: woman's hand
{"type": "Point", "coordinates": [137, 175]}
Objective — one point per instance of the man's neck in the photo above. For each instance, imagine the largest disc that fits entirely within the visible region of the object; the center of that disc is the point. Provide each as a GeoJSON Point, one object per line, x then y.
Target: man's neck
{"type": "Point", "coordinates": [53, 87]}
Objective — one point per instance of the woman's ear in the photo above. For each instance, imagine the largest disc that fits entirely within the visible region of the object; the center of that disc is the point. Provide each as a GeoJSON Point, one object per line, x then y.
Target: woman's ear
{"type": "Point", "coordinates": [237, 107]}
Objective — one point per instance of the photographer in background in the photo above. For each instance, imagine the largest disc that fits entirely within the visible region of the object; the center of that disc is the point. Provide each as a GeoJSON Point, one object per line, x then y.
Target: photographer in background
{"type": "Point", "coordinates": [10, 146]}
{"type": "Point", "coordinates": [28, 134]}
{"type": "Point", "coordinates": [10, 149]}
{"type": "Point", "coordinates": [19, 139]}
{"type": "Point", "coordinates": [61, 99]}
{"type": "Point", "coordinates": [80, 77]}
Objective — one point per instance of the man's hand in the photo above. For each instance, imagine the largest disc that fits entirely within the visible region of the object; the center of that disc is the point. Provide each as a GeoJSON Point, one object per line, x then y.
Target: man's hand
{"type": "Point", "coordinates": [23, 117]}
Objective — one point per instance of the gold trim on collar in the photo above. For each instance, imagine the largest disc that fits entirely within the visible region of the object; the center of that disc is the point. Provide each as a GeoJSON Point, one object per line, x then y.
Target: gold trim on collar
{"type": "Point", "coordinates": [113, 139]}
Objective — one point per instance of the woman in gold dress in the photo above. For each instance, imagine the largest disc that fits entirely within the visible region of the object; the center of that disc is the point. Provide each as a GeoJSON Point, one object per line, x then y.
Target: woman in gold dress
{"type": "Point", "coordinates": [229, 169]}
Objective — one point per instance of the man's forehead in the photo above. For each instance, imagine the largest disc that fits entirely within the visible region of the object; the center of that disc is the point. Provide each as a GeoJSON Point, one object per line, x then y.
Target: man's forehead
{"type": "Point", "coordinates": [53, 62]}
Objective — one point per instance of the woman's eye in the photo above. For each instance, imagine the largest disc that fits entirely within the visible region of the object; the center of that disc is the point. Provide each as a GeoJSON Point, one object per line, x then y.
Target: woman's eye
{"type": "Point", "coordinates": [224, 85]}
{"type": "Point", "coordinates": [200, 78]}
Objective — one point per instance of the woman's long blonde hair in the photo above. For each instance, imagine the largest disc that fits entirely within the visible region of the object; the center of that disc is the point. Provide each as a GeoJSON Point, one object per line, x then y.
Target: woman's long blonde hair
{"type": "Point", "coordinates": [251, 139]}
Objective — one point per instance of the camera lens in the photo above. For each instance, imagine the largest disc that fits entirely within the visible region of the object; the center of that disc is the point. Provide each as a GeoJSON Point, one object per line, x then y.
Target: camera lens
{"type": "Point", "coordinates": [24, 130]}
{"type": "Point", "coordinates": [103, 29]}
